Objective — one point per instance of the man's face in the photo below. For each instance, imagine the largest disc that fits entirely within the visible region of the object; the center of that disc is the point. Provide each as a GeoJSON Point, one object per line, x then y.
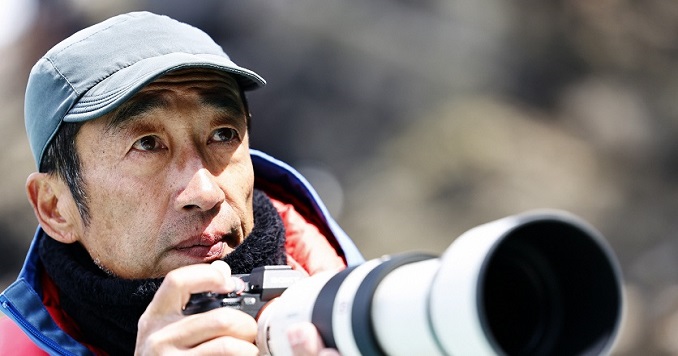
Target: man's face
{"type": "Point", "coordinates": [168, 176]}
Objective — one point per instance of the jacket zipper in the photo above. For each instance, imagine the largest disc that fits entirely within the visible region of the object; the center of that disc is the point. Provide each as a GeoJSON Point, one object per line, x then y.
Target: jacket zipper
{"type": "Point", "coordinates": [33, 331]}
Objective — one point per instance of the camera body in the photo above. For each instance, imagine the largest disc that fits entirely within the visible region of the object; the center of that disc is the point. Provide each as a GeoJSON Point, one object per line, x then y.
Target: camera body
{"type": "Point", "coordinates": [259, 287]}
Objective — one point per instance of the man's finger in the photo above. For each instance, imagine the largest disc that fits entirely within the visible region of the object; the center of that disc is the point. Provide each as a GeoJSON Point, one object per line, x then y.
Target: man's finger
{"type": "Point", "coordinates": [196, 329]}
{"type": "Point", "coordinates": [226, 345]}
{"type": "Point", "coordinates": [180, 283]}
{"type": "Point", "coordinates": [305, 340]}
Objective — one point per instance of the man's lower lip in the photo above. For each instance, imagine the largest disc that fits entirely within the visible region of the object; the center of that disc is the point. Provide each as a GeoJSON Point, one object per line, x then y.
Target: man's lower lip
{"type": "Point", "coordinates": [204, 251]}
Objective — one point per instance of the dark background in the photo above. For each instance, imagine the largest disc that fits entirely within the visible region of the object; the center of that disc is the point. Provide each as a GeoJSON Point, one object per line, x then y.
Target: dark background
{"type": "Point", "coordinates": [419, 119]}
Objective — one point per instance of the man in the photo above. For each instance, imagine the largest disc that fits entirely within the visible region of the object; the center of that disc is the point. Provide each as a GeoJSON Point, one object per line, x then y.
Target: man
{"type": "Point", "coordinates": [147, 192]}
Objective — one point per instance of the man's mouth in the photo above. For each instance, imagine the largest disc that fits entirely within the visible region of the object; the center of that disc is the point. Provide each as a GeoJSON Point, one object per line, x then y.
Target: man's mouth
{"type": "Point", "coordinates": [204, 246]}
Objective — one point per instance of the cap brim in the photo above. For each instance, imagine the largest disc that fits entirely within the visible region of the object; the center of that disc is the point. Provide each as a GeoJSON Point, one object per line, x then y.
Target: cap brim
{"type": "Point", "coordinates": [120, 86]}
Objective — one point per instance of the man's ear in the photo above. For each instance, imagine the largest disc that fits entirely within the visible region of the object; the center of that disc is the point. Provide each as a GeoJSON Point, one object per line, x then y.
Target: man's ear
{"type": "Point", "coordinates": [54, 206]}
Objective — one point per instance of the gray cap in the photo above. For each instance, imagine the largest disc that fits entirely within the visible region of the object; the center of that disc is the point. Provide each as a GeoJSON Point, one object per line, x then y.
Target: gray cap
{"type": "Point", "coordinates": [96, 69]}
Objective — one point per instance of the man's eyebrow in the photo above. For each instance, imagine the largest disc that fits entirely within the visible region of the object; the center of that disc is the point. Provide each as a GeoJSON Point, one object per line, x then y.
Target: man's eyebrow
{"type": "Point", "coordinates": [137, 106]}
{"type": "Point", "coordinates": [224, 101]}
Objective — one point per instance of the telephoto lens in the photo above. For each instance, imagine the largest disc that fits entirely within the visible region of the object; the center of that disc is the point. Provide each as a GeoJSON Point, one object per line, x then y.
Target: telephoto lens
{"type": "Point", "coordinates": [540, 283]}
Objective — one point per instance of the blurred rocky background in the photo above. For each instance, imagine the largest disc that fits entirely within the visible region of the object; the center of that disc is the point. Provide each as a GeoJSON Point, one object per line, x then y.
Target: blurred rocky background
{"type": "Point", "coordinates": [419, 119]}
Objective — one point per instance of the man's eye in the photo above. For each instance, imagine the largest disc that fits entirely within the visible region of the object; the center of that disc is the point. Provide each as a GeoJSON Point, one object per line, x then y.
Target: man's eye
{"type": "Point", "coordinates": [147, 143]}
{"type": "Point", "coordinates": [224, 134]}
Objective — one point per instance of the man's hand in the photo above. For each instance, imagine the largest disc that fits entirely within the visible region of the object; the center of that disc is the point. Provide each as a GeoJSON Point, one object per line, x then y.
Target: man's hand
{"type": "Point", "coordinates": [305, 341]}
{"type": "Point", "coordinates": [163, 329]}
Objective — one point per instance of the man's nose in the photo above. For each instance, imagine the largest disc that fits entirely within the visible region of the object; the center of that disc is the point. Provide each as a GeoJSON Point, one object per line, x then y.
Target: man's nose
{"type": "Point", "coordinates": [202, 192]}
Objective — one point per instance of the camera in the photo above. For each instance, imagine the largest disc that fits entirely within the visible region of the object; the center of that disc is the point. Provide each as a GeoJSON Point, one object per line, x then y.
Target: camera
{"type": "Point", "coordinates": [539, 283]}
{"type": "Point", "coordinates": [259, 287]}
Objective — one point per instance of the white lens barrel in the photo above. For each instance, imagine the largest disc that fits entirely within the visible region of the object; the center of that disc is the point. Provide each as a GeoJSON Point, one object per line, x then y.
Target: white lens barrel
{"type": "Point", "coordinates": [400, 310]}
{"type": "Point", "coordinates": [342, 324]}
{"type": "Point", "coordinates": [454, 293]}
{"type": "Point", "coordinates": [293, 306]}
{"type": "Point", "coordinates": [538, 283]}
